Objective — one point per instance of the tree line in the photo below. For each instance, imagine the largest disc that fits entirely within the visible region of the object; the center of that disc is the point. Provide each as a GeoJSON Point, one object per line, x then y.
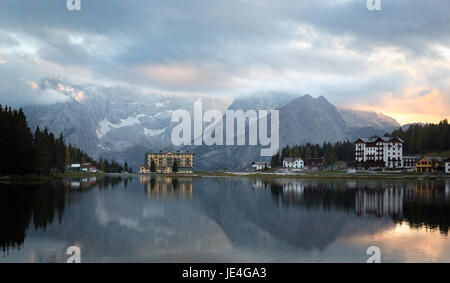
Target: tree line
{"type": "Point", "coordinates": [153, 166]}
{"type": "Point", "coordinates": [24, 152]}
{"type": "Point", "coordinates": [340, 151]}
{"type": "Point", "coordinates": [113, 166]}
{"type": "Point", "coordinates": [418, 138]}
{"type": "Point", "coordinates": [421, 138]}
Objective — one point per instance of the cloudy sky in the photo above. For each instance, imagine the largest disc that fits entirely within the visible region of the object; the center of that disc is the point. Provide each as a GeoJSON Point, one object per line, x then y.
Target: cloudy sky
{"type": "Point", "coordinates": [395, 61]}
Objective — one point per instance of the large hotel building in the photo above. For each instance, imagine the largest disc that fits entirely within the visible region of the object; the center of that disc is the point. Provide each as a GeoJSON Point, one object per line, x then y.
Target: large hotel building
{"type": "Point", "coordinates": [164, 162]}
{"type": "Point", "coordinates": [383, 152]}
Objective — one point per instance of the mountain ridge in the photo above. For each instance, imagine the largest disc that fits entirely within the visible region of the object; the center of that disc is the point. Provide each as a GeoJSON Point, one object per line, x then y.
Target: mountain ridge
{"type": "Point", "coordinates": [111, 125]}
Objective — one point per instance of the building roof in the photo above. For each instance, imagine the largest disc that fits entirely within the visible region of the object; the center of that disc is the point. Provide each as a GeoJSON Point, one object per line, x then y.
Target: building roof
{"type": "Point", "coordinates": [260, 163]}
{"type": "Point", "coordinates": [384, 139]}
{"type": "Point", "coordinates": [364, 140]}
{"type": "Point", "coordinates": [412, 157]}
{"type": "Point", "coordinates": [433, 159]}
{"type": "Point", "coordinates": [88, 165]}
{"type": "Point", "coordinates": [75, 165]}
{"type": "Point", "coordinates": [292, 159]}
{"type": "Point", "coordinates": [170, 151]}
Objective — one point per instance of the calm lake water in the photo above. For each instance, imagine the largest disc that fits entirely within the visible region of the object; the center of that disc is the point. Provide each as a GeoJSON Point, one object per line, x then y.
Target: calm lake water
{"type": "Point", "coordinates": [225, 219]}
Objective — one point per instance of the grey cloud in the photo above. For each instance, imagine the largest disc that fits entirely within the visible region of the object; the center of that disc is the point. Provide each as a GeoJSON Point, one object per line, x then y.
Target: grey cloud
{"type": "Point", "coordinates": [228, 39]}
{"type": "Point", "coordinates": [7, 41]}
{"type": "Point", "coordinates": [367, 90]}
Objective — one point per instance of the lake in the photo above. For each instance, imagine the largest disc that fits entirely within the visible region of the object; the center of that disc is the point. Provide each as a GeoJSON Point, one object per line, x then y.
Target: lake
{"type": "Point", "coordinates": [225, 219]}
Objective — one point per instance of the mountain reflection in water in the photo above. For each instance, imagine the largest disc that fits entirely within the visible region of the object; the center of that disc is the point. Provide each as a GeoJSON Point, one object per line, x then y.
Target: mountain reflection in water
{"type": "Point", "coordinates": [164, 219]}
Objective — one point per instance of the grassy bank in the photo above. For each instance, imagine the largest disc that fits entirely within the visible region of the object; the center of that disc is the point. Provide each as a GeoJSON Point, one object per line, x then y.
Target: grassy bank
{"type": "Point", "coordinates": [173, 175]}
{"type": "Point", "coordinates": [82, 174]}
{"type": "Point", "coordinates": [330, 174]}
{"type": "Point", "coordinates": [27, 179]}
{"type": "Point", "coordinates": [22, 179]}
{"type": "Point", "coordinates": [266, 174]}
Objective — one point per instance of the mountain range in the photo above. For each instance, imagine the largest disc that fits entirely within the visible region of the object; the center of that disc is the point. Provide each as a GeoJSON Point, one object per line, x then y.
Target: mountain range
{"type": "Point", "coordinates": [108, 124]}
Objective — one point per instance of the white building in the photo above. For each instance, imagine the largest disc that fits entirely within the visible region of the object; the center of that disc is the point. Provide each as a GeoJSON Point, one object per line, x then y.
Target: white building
{"type": "Point", "coordinates": [447, 165]}
{"type": "Point", "coordinates": [294, 163]}
{"type": "Point", "coordinates": [75, 167]}
{"type": "Point", "coordinates": [88, 167]}
{"type": "Point", "coordinates": [409, 162]}
{"type": "Point", "coordinates": [260, 165]}
{"type": "Point", "coordinates": [379, 152]}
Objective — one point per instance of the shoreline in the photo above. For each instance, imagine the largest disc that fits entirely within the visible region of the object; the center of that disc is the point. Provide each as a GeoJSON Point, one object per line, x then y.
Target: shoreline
{"type": "Point", "coordinates": [29, 179]}
{"type": "Point", "coordinates": [311, 175]}
{"type": "Point", "coordinates": [331, 175]}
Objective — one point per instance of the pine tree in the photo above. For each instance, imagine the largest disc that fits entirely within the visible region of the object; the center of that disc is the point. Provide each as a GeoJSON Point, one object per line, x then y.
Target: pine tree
{"type": "Point", "coordinates": [67, 156]}
{"type": "Point", "coordinates": [174, 167]}
{"type": "Point", "coordinates": [275, 161]}
{"type": "Point", "coordinates": [101, 165]}
{"type": "Point", "coordinates": [24, 152]}
{"type": "Point", "coordinates": [59, 154]}
{"type": "Point", "coordinates": [3, 134]}
{"type": "Point", "coordinates": [308, 151]}
{"type": "Point", "coordinates": [152, 166]}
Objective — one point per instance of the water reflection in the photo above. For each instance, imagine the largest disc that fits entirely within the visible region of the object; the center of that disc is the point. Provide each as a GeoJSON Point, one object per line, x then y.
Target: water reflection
{"type": "Point", "coordinates": [167, 187]}
{"type": "Point", "coordinates": [39, 205]}
{"type": "Point", "coordinates": [150, 218]}
{"type": "Point", "coordinates": [420, 203]}
{"type": "Point", "coordinates": [22, 208]}
{"type": "Point", "coordinates": [380, 202]}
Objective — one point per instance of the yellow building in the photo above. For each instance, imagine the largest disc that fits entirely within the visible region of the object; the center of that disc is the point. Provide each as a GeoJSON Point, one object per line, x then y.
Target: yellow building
{"type": "Point", "coordinates": [164, 162]}
{"type": "Point", "coordinates": [428, 164]}
{"type": "Point", "coordinates": [165, 187]}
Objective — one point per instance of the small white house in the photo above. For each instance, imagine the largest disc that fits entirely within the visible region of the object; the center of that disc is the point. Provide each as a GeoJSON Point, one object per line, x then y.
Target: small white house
{"type": "Point", "coordinates": [294, 163]}
{"type": "Point", "coordinates": [260, 165]}
{"type": "Point", "coordinates": [88, 167]}
{"type": "Point", "coordinates": [75, 167]}
{"type": "Point", "coordinates": [447, 165]}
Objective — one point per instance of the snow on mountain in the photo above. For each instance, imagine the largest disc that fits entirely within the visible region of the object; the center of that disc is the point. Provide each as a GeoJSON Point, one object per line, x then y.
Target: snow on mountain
{"type": "Point", "coordinates": [122, 123]}
{"type": "Point", "coordinates": [151, 133]}
{"type": "Point", "coordinates": [304, 119]}
{"type": "Point", "coordinates": [115, 119]}
{"type": "Point", "coordinates": [104, 126]}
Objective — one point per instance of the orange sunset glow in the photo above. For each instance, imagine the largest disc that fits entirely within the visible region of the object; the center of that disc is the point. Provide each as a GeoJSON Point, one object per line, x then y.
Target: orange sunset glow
{"type": "Point", "coordinates": [411, 107]}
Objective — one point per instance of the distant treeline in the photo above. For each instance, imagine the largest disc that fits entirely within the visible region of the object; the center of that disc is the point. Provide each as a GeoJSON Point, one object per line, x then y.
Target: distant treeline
{"type": "Point", "coordinates": [418, 139]}
{"type": "Point", "coordinates": [75, 155]}
{"type": "Point", "coordinates": [425, 138]}
{"type": "Point", "coordinates": [341, 151]}
{"type": "Point", "coordinates": [113, 166]}
{"type": "Point", "coordinates": [24, 152]}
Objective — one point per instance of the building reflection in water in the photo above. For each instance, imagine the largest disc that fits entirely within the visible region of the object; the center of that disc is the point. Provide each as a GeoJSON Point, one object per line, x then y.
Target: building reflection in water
{"type": "Point", "coordinates": [447, 190]}
{"type": "Point", "coordinates": [84, 183]}
{"type": "Point", "coordinates": [290, 189]}
{"type": "Point", "coordinates": [420, 203]}
{"type": "Point", "coordinates": [380, 202]}
{"type": "Point", "coordinates": [167, 187]}
{"type": "Point", "coordinates": [101, 183]}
